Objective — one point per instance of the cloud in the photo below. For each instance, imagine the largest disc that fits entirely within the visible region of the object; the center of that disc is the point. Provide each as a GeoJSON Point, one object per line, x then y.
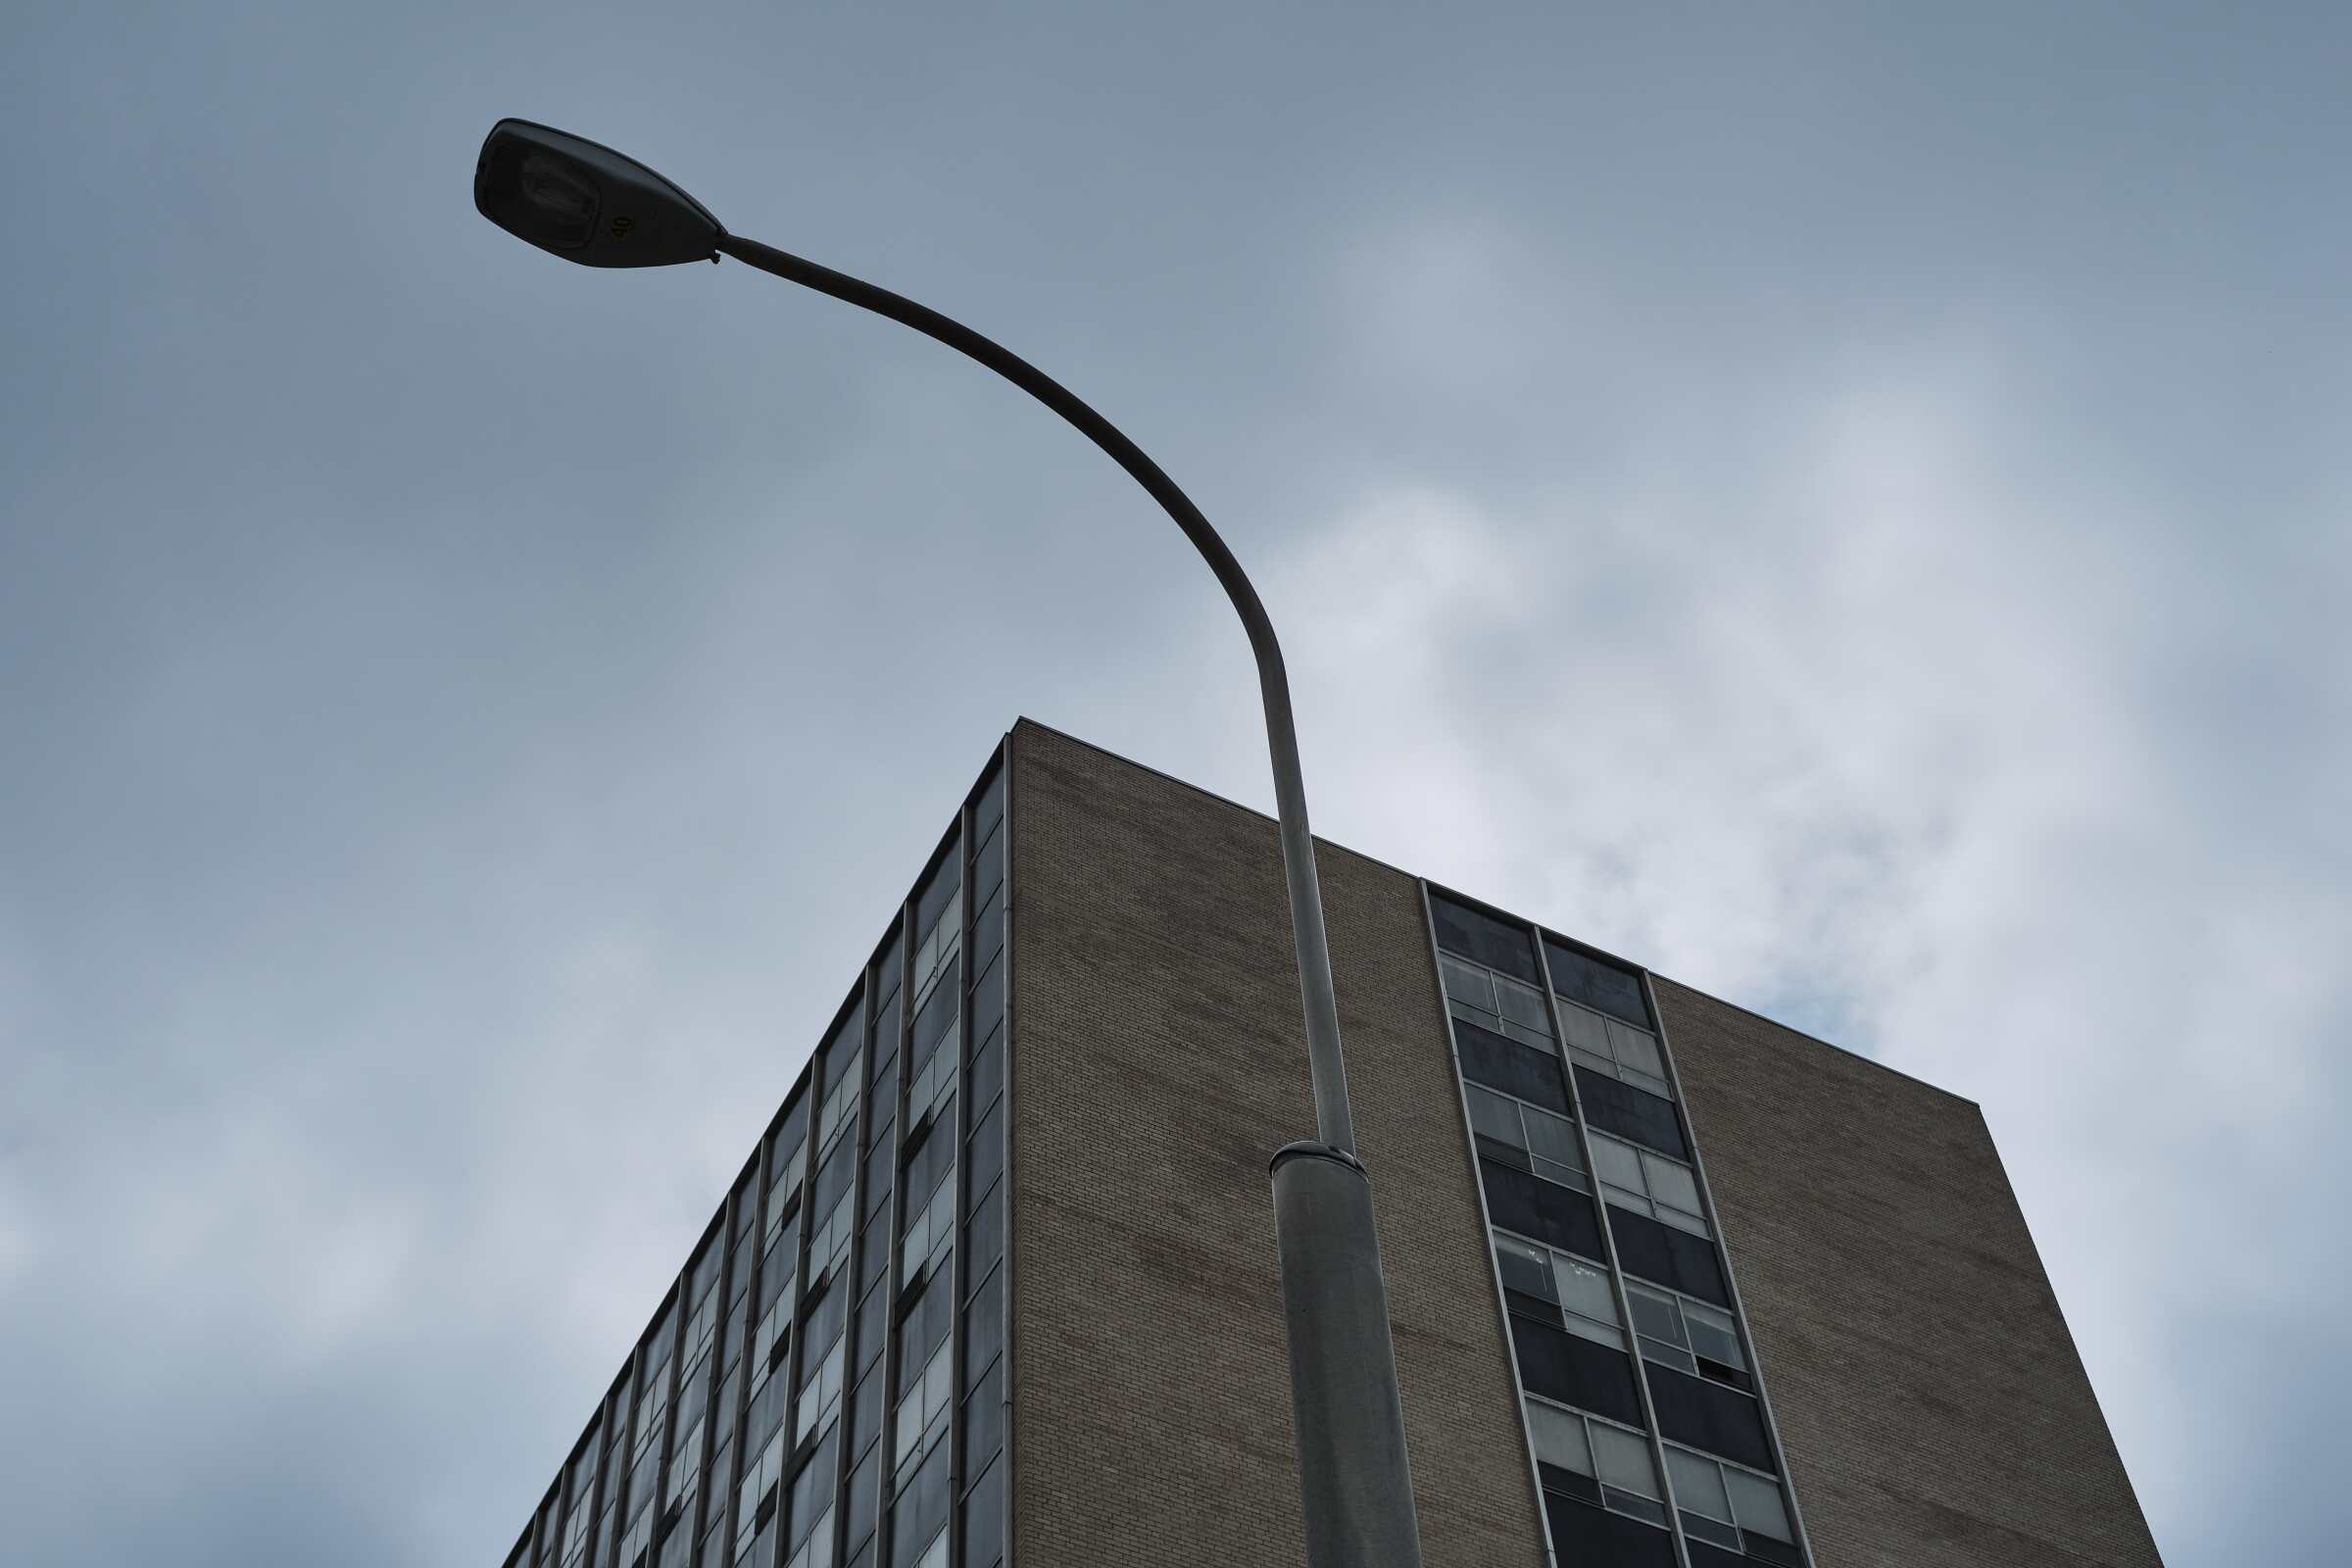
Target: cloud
{"type": "Point", "coordinates": [1873, 731]}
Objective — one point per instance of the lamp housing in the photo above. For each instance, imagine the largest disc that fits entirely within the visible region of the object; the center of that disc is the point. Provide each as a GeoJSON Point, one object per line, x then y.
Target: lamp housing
{"type": "Point", "coordinates": [586, 203]}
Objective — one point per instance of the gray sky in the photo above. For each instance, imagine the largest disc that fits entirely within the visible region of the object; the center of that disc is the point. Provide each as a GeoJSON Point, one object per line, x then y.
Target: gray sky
{"type": "Point", "coordinates": [1845, 507]}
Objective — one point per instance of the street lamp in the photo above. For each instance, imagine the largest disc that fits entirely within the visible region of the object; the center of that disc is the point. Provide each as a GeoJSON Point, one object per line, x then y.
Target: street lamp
{"type": "Point", "coordinates": [591, 204]}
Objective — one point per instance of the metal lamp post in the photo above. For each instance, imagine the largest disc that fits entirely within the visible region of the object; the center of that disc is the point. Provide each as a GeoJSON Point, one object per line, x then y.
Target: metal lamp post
{"type": "Point", "coordinates": [591, 204]}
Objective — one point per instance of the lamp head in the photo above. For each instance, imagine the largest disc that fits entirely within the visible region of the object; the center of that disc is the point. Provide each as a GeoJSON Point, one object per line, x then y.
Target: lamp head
{"type": "Point", "coordinates": [585, 203]}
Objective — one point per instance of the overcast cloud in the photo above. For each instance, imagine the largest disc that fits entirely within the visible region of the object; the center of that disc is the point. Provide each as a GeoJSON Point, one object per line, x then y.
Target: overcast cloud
{"type": "Point", "coordinates": [1845, 508]}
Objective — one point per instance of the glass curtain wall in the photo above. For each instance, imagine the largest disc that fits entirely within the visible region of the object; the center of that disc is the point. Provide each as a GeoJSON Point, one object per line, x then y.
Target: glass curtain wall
{"type": "Point", "coordinates": [823, 1384]}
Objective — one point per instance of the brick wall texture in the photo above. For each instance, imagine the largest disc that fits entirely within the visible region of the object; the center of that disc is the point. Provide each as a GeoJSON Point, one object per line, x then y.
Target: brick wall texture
{"type": "Point", "coordinates": [1927, 1391]}
{"type": "Point", "coordinates": [1157, 1062]}
{"type": "Point", "coordinates": [1928, 1394]}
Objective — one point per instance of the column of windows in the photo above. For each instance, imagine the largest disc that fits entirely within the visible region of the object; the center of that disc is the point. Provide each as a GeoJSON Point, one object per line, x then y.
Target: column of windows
{"type": "Point", "coordinates": [1652, 1449]}
{"type": "Point", "coordinates": [830, 1283]}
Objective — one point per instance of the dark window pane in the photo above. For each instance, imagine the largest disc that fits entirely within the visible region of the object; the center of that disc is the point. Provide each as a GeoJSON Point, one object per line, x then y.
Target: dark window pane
{"type": "Point", "coordinates": [988, 1150]}
{"type": "Point", "coordinates": [722, 1420]}
{"type": "Point", "coordinates": [989, 810]}
{"type": "Point", "coordinates": [984, 1417]}
{"type": "Point", "coordinates": [988, 998]}
{"type": "Point", "coordinates": [841, 1048]}
{"type": "Point", "coordinates": [1763, 1548]}
{"type": "Point", "coordinates": [826, 1319]}
{"type": "Point", "coordinates": [881, 1163]}
{"type": "Point", "coordinates": [1485, 939]}
{"type": "Point", "coordinates": [776, 1265]}
{"type": "Point", "coordinates": [1567, 1483]}
{"type": "Point", "coordinates": [1582, 1534]}
{"type": "Point", "coordinates": [766, 1411]}
{"type": "Point", "coordinates": [1630, 1112]}
{"type": "Point", "coordinates": [1595, 984]}
{"type": "Point", "coordinates": [988, 929]}
{"type": "Point", "coordinates": [988, 867]}
{"type": "Point", "coordinates": [866, 1412]}
{"type": "Point", "coordinates": [739, 1270]}
{"type": "Point", "coordinates": [984, 1326]}
{"type": "Point", "coordinates": [1490, 1058]}
{"type": "Point", "coordinates": [874, 1260]}
{"type": "Point", "coordinates": [983, 1521]}
{"type": "Point", "coordinates": [1703, 1555]}
{"type": "Point", "coordinates": [937, 1020]}
{"type": "Point", "coordinates": [833, 1177]}
{"type": "Point", "coordinates": [865, 1502]}
{"type": "Point", "coordinates": [932, 901]}
{"type": "Point", "coordinates": [1664, 1255]}
{"type": "Point", "coordinates": [1534, 1207]}
{"type": "Point", "coordinates": [872, 1325]}
{"type": "Point", "coordinates": [988, 1065]}
{"type": "Point", "coordinates": [985, 1235]}
{"type": "Point", "coordinates": [694, 1394]}
{"type": "Point", "coordinates": [1562, 1366]}
{"type": "Point", "coordinates": [1709, 1416]}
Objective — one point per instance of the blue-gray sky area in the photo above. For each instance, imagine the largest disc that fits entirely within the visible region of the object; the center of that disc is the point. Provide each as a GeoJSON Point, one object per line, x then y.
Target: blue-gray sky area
{"type": "Point", "coordinates": [1846, 505]}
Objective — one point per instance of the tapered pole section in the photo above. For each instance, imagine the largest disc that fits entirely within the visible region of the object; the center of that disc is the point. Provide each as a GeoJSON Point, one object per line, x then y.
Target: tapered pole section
{"type": "Point", "coordinates": [1356, 1480]}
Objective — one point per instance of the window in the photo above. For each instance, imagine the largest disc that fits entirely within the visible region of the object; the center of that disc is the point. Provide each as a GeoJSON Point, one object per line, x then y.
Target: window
{"type": "Point", "coordinates": [785, 1157]}
{"type": "Point", "coordinates": [1617, 1458]}
{"type": "Point", "coordinates": [837, 1075]}
{"type": "Point", "coordinates": [1554, 1287]}
{"type": "Point", "coordinates": [1619, 1050]}
{"type": "Point", "coordinates": [1689, 1336]}
{"type": "Point", "coordinates": [1628, 1112]}
{"type": "Point", "coordinates": [1533, 1207]}
{"type": "Point", "coordinates": [921, 1421]}
{"type": "Point", "coordinates": [1647, 1184]}
{"type": "Point", "coordinates": [1701, 1414]}
{"type": "Point", "coordinates": [938, 921]}
{"type": "Point", "coordinates": [1466, 933]}
{"type": "Point", "coordinates": [1665, 1255]}
{"type": "Point", "coordinates": [1520, 1071]}
{"type": "Point", "coordinates": [1495, 1001]}
{"type": "Point", "coordinates": [1574, 1370]}
{"type": "Point", "coordinates": [755, 1498]}
{"type": "Point", "coordinates": [930, 1202]}
{"type": "Point", "coordinates": [1595, 983]}
{"type": "Point", "coordinates": [1731, 1507]}
{"type": "Point", "coordinates": [810, 1515]}
{"type": "Point", "coordinates": [1525, 1135]}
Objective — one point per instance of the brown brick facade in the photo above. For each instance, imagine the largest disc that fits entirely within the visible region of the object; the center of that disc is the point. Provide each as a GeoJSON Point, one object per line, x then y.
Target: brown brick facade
{"type": "Point", "coordinates": [1927, 1395]}
{"type": "Point", "coordinates": [1927, 1392]}
{"type": "Point", "coordinates": [1157, 1062]}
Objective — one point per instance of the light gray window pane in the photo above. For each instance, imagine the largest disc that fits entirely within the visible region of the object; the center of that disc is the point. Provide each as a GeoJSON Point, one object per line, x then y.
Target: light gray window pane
{"type": "Point", "coordinates": [1586, 1031]}
{"type": "Point", "coordinates": [1622, 1459]}
{"type": "Point", "coordinates": [1540, 1039]}
{"type": "Point", "coordinates": [1713, 1334]}
{"type": "Point", "coordinates": [1681, 1221]}
{"type": "Point", "coordinates": [1592, 1058]}
{"type": "Point", "coordinates": [1583, 1328]}
{"type": "Point", "coordinates": [1697, 1484]}
{"type": "Point", "coordinates": [1638, 1048]}
{"type": "Point", "coordinates": [1560, 1438]}
{"type": "Point", "coordinates": [1584, 1288]}
{"type": "Point", "coordinates": [1617, 1164]}
{"type": "Point", "coordinates": [1523, 1004]}
{"type": "Point", "coordinates": [1641, 1080]}
{"type": "Point", "coordinates": [1756, 1505]}
{"type": "Point", "coordinates": [1553, 1138]}
{"type": "Point", "coordinates": [1672, 1355]}
{"type": "Point", "coordinates": [1671, 1184]}
{"type": "Point", "coordinates": [1552, 1171]}
{"type": "Point", "coordinates": [1524, 1268]}
{"type": "Point", "coordinates": [1657, 1316]}
{"type": "Point", "coordinates": [1495, 1116]}
{"type": "Point", "coordinates": [1467, 983]}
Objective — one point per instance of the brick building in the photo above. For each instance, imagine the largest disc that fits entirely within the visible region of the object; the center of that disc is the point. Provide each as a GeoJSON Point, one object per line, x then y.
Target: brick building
{"type": "Point", "coordinates": [1672, 1287]}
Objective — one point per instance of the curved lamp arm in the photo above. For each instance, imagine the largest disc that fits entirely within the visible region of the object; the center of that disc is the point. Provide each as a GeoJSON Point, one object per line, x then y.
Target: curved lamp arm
{"type": "Point", "coordinates": [1333, 1124]}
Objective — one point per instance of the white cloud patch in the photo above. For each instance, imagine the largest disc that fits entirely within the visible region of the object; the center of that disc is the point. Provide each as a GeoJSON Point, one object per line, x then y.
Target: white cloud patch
{"type": "Point", "coordinates": [1865, 732]}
